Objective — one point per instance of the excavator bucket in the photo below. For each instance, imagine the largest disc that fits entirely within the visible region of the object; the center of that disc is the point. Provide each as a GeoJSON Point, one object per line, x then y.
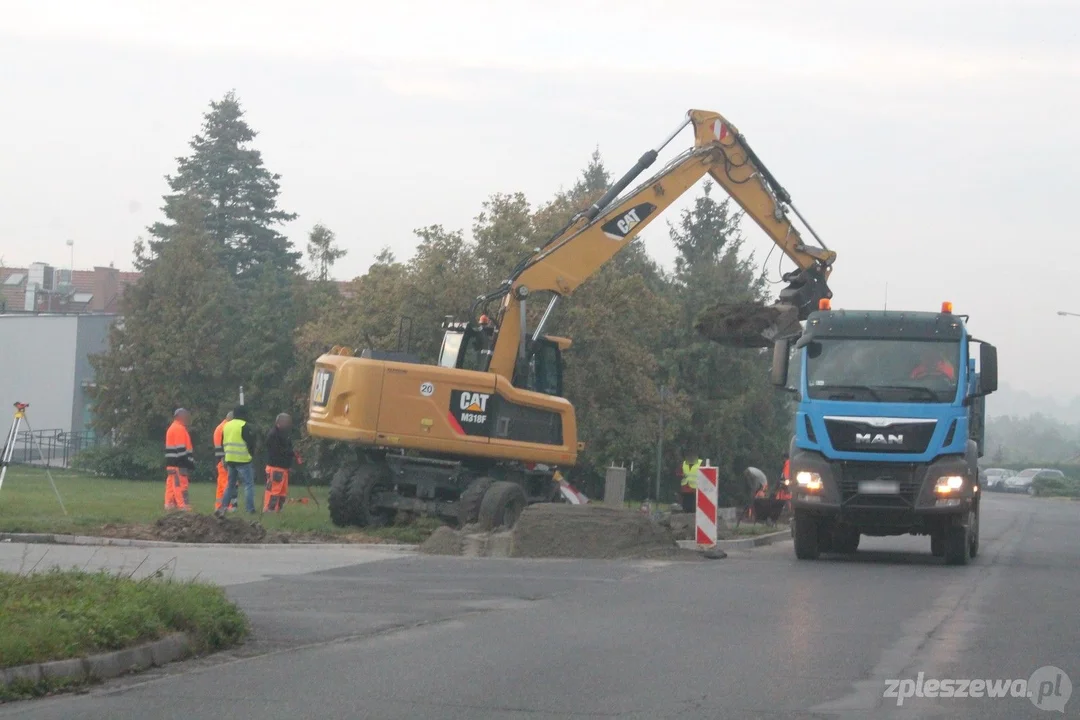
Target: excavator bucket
{"type": "Point", "coordinates": [748, 325]}
{"type": "Point", "coordinates": [755, 325]}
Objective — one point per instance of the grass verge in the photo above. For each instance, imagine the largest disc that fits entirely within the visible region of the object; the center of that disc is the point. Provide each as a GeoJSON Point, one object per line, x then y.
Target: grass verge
{"type": "Point", "coordinates": [61, 614]}
{"type": "Point", "coordinates": [95, 505]}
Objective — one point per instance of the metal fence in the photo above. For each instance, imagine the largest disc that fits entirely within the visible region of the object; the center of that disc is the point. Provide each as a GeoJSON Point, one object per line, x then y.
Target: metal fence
{"type": "Point", "coordinates": [51, 448]}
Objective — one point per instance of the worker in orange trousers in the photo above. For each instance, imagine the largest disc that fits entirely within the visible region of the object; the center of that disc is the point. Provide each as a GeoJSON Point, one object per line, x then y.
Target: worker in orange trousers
{"type": "Point", "coordinates": [279, 460]}
{"type": "Point", "coordinates": [179, 461]}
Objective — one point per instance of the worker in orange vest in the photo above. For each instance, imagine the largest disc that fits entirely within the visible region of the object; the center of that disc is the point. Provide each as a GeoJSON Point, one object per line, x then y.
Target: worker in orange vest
{"type": "Point", "coordinates": [179, 461]}
{"type": "Point", "coordinates": [783, 491]}
{"type": "Point", "coordinates": [219, 458]}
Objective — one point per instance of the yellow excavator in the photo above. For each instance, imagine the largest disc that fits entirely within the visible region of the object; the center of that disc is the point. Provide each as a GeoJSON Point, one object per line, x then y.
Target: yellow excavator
{"type": "Point", "coordinates": [479, 435]}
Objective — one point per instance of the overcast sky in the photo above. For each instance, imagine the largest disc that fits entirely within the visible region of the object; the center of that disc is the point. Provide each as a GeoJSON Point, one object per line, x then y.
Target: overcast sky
{"type": "Point", "coordinates": [932, 143]}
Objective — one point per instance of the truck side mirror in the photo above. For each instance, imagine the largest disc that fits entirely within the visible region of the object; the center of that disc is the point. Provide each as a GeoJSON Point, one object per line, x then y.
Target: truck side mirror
{"type": "Point", "coordinates": [780, 358]}
{"type": "Point", "coordinates": [988, 369]}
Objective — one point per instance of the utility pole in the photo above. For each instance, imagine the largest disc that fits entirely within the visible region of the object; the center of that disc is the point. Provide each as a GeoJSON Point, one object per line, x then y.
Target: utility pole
{"type": "Point", "coordinates": [660, 448]}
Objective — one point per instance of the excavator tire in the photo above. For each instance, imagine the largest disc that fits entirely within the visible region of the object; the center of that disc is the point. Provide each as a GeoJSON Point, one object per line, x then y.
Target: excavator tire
{"type": "Point", "coordinates": [369, 478]}
{"type": "Point", "coordinates": [340, 487]}
{"type": "Point", "coordinates": [501, 506]}
{"type": "Point", "coordinates": [469, 502]}
{"type": "Point", "coordinates": [350, 496]}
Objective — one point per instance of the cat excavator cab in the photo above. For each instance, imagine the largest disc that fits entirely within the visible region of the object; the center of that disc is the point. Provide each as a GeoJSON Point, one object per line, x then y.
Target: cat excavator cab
{"type": "Point", "coordinates": [479, 435]}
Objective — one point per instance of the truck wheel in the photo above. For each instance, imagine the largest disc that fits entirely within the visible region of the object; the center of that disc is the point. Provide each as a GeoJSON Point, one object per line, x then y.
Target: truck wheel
{"type": "Point", "coordinates": [469, 502]}
{"type": "Point", "coordinates": [501, 506]}
{"type": "Point", "coordinates": [937, 543]}
{"type": "Point", "coordinates": [340, 486]}
{"type": "Point", "coordinates": [806, 536]}
{"type": "Point", "coordinates": [957, 545]}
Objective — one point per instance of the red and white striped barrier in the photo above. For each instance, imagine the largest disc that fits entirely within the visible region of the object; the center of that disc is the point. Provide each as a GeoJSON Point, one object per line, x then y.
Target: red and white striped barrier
{"type": "Point", "coordinates": [707, 499]}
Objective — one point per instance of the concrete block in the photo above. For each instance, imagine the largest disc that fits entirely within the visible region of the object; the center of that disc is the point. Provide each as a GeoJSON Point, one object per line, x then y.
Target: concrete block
{"type": "Point", "coordinates": [25, 673]}
{"type": "Point", "coordinates": [106, 666]}
{"type": "Point", "coordinates": [169, 649]}
{"type": "Point", "coordinates": [615, 487]}
{"type": "Point", "coordinates": [74, 669]}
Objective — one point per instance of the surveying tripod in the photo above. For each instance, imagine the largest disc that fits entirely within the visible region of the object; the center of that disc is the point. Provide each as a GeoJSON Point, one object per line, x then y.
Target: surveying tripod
{"type": "Point", "coordinates": [9, 448]}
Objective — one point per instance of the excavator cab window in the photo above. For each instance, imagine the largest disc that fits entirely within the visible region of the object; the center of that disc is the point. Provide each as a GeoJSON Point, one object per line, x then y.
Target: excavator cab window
{"type": "Point", "coordinates": [464, 347]}
{"type": "Point", "coordinates": [545, 368]}
{"type": "Point", "coordinates": [451, 348]}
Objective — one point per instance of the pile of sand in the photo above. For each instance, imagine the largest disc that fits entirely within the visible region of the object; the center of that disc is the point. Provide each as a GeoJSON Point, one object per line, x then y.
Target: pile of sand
{"type": "Point", "coordinates": [444, 541]}
{"type": "Point", "coordinates": [196, 528]}
{"type": "Point", "coordinates": [556, 530]}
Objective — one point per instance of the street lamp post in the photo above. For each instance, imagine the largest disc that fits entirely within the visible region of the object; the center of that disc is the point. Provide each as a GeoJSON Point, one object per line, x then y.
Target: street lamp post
{"type": "Point", "coordinates": [660, 448]}
{"type": "Point", "coordinates": [1063, 313]}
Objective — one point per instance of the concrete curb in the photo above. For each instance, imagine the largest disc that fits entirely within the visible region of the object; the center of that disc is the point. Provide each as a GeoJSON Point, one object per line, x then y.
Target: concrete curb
{"type": "Point", "coordinates": [56, 539]}
{"type": "Point", "coordinates": [744, 543]}
{"type": "Point", "coordinates": [104, 666]}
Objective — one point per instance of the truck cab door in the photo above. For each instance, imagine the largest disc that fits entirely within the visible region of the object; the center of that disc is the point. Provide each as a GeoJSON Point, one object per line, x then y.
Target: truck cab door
{"type": "Point", "coordinates": [977, 422]}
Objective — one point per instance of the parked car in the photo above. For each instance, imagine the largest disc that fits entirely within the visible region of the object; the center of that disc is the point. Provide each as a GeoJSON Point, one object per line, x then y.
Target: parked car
{"type": "Point", "coordinates": [1023, 481]}
{"type": "Point", "coordinates": [994, 478]}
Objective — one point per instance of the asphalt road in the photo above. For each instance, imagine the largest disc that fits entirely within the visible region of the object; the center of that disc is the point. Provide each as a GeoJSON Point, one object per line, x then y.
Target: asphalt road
{"type": "Point", "coordinates": [757, 635]}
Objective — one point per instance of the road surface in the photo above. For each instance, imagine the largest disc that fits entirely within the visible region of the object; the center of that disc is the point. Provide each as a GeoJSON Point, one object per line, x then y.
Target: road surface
{"type": "Point", "coordinates": [758, 635]}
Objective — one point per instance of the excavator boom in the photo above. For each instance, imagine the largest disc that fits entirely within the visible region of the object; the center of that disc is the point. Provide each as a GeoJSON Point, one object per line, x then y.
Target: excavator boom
{"type": "Point", "coordinates": [593, 237]}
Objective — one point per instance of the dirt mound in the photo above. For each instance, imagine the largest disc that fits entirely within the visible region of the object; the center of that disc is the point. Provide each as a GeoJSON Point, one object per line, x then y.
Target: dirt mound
{"type": "Point", "coordinates": [742, 324]}
{"type": "Point", "coordinates": [193, 527]}
{"type": "Point", "coordinates": [444, 541]}
{"type": "Point", "coordinates": [555, 530]}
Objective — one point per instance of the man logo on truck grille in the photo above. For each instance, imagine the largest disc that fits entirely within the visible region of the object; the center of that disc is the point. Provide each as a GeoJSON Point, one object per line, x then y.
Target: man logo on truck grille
{"type": "Point", "coordinates": [878, 439]}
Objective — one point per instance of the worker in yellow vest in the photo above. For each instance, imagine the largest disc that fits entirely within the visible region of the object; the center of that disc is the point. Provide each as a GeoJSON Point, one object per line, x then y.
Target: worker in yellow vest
{"type": "Point", "coordinates": [238, 442]}
{"type": "Point", "coordinates": [688, 490]}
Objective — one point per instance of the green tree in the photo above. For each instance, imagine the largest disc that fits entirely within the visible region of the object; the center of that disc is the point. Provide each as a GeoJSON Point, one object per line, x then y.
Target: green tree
{"type": "Point", "coordinates": [236, 195]}
{"type": "Point", "coordinates": [168, 350]}
{"type": "Point", "coordinates": [323, 251]}
{"type": "Point", "coordinates": [735, 417]}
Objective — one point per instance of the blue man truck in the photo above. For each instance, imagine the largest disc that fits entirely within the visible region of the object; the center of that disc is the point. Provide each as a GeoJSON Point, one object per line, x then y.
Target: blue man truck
{"type": "Point", "coordinates": [888, 430]}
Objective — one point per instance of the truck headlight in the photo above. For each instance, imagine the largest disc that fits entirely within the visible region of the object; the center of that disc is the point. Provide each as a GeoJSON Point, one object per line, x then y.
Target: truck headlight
{"type": "Point", "coordinates": [948, 484]}
{"type": "Point", "coordinates": [810, 481]}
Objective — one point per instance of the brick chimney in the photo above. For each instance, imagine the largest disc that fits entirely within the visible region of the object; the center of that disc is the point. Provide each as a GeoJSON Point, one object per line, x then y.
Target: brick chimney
{"type": "Point", "coordinates": [106, 288]}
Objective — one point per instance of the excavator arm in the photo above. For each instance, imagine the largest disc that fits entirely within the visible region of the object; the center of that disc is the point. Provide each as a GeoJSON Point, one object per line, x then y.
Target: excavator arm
{"type": "Point", "coordinates": [594, 236]}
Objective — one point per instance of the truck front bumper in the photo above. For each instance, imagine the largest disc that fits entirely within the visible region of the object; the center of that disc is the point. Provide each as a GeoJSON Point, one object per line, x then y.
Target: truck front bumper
{"type": "Point", "coordinates": [882, 497]}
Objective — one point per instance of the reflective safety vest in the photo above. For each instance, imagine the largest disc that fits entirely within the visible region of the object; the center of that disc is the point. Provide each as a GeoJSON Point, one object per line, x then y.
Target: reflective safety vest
{"type": "Point", "coordinates": [236, 450]}
{"type": "Point", "coordinates": [178, 450]}
{"type": "Point", "coordinates": [689, 473]}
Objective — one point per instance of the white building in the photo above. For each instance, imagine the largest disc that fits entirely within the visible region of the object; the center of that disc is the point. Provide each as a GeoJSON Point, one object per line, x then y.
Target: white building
{"type": "Point", "coordinates": [45, 361]}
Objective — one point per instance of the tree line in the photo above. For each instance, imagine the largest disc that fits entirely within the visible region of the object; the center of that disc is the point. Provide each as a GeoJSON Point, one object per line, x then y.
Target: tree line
{"type": "Point", "coordinates": [224, 301]}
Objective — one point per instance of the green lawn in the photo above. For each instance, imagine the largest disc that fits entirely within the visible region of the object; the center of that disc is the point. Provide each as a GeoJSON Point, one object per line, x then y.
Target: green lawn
{"type": "Point", "coordinates": [27, 504]}
{"type": "Point", "coordinates": [58, 614]}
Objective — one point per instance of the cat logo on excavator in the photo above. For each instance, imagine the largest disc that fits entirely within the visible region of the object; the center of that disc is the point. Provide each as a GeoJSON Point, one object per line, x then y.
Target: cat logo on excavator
{"type": "Point", "coordinates": [619, 227]}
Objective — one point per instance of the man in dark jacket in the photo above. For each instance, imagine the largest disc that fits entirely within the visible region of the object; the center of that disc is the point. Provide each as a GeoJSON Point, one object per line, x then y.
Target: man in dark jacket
{"type": "Point", "coordinates": [279, 459]}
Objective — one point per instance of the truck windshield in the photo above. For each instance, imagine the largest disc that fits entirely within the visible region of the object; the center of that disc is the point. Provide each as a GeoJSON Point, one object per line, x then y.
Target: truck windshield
{"type": "Point", "coordinates": [897, 370]}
